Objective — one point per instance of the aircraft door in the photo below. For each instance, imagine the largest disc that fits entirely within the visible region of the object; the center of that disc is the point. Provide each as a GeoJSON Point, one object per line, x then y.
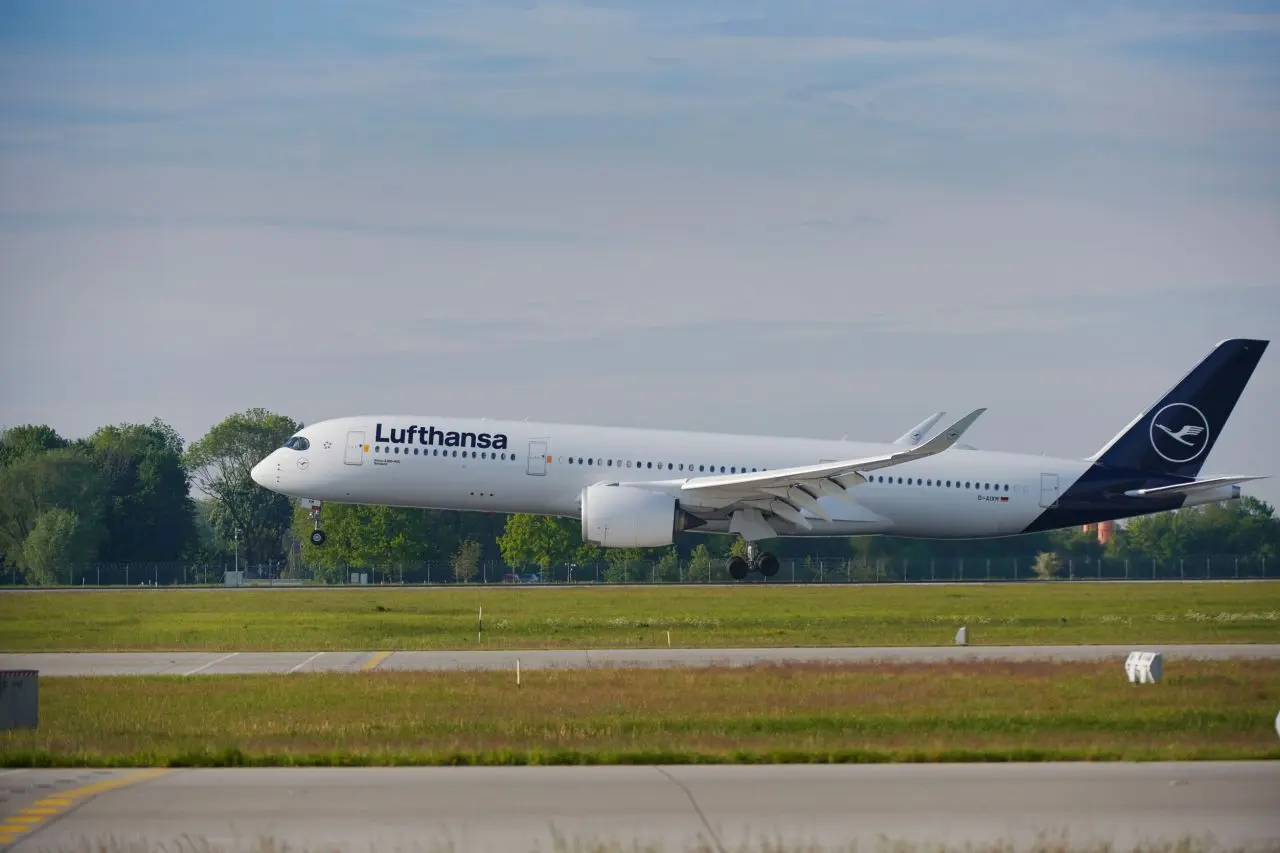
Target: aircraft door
{"type": "Point", "coordinates": [355, 448]}
{"type": "Point", "coordinates": [1048, 490]}
{"type": "Point", "coordinates": [537, 463]}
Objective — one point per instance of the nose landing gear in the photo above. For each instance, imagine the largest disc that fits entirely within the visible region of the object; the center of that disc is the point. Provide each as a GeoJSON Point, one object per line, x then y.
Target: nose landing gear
{"type": "Point", "coordinates": [764, 563]}
{"type": "Point", "coordinates": [317, 535]}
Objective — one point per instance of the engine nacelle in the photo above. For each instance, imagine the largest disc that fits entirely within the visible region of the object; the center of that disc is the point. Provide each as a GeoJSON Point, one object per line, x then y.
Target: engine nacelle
{"type": "Point", "coordinates": [630, 517]}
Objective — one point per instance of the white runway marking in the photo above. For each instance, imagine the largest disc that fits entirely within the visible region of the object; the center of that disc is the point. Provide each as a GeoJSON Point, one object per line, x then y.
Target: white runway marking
{"type": "Point", "coordinates": [211, 663]}
{"type": "Point", "coordinates": [305, 662]}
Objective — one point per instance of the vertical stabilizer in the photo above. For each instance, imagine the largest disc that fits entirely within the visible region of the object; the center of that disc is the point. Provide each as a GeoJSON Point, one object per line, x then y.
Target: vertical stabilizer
{"type": "Point", "coordinates": [1176, 434]}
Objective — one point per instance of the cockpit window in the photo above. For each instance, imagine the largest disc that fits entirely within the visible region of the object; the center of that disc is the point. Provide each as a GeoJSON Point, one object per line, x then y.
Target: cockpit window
{"type": "Point", "coordinates": [297, 442]}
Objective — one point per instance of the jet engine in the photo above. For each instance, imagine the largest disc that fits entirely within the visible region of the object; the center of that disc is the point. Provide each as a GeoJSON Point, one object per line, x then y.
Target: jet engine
{"type": "Point", "coordinates": [629, 517]}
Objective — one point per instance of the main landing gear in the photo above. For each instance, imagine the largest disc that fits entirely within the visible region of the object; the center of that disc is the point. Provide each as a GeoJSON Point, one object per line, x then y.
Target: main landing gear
{"type": "Point", "coordinates": [766, 564]}
{"type": "Point", "coordinates": [317, 535]}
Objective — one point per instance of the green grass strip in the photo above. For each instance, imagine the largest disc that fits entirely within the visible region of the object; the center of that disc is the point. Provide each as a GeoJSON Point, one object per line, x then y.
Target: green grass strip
{"type": "Point", "coordinates": [582, 617]}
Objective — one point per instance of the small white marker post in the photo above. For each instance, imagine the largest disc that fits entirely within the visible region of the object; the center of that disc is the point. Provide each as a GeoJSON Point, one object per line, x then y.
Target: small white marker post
{"type": "Point", "coordinates": [480, 625]}
{"type": "Point", "coordinates": [668, 639]}
{"type": "Point", "coordinates": [517, 672]}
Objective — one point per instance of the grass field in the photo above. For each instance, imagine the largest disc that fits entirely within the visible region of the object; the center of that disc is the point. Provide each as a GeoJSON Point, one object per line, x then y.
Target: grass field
{"type": "Point", "coordinates": [576, 617]}
{"type": "Point", "coordinates": [809, 713]}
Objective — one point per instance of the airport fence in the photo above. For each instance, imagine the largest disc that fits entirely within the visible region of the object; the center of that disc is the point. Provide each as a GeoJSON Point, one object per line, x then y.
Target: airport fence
{"type": "Point", "coordinates": [792, 571]}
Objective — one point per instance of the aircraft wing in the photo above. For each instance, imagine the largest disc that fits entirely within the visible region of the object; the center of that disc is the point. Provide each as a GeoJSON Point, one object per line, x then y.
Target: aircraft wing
{"type": "Point", "coordinates": [786, 491]}
{"type": "Point", "coordinates": [912, 437]}
{"type": "Point", "coordinates": [1207, 484]}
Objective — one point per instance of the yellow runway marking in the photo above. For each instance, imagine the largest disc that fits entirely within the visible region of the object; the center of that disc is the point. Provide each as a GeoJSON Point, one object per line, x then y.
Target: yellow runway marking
{"type": "Point", "coordinates": [373, 662]}
{"type": "Point", "coordinates": [50, 807]}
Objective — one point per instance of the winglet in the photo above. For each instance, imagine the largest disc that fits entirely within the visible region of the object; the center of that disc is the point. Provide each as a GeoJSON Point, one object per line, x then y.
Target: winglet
{"type": "Point", "coordinates": [950, 435]}
{"type": "Point", "coordinates": [912, 437]}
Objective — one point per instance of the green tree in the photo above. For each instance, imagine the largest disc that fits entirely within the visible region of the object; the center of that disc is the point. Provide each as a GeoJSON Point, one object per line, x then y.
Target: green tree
{"type": "Point", "coordinates": [626, 565]}
{"type": "Point", "coordinates": [28, 440]}
{"type": "Point", "coordinates": [150, 515]}
{"type": "Point", "coordinates": [382, 538]}
{"type": "Point", "coordinates": [33, 484]}
{"type": "Point", "coordinates": [701, 564]}
{"type": "Point", "coordinates": [538, 539]}
{"type": "Point", "coordinates": [1047, 565]}
{"type": "Point", "coordinates": [667, 568]}
{"type": "Point", "coordinates": [56, 545]}
{"type": "Point", "coordinates": [1158, 537]}
{"type": "Point", "coordinates": [466, 562]}
{"type": "Point", "coordinates": [220, 463]}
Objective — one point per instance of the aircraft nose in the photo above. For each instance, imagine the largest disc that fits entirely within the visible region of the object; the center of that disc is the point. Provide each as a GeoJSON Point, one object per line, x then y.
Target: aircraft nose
{"type": "Point", "coordinates": [261, 473]}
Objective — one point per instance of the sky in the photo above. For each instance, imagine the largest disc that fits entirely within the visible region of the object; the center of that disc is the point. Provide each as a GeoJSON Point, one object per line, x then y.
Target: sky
{"type": "Point", "coordinates": [794, 218]}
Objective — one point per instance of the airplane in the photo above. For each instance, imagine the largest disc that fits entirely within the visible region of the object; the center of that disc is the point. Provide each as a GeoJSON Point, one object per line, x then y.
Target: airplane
{"type": "Point", "coordinates": [631, 487]}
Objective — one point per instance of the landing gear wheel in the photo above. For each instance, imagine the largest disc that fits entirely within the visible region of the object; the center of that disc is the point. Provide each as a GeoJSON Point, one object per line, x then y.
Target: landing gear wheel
{"type": "Point", "coordinates": [738, 568]}
{"type": "Point", "coordinates": [767, 565]}
{"type": "Point", "coordinates": [317, 535]}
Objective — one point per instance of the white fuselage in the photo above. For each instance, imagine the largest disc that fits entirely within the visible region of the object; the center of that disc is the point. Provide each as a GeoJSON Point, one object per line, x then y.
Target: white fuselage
{"type": "Point", "coordinates": [542, 468]}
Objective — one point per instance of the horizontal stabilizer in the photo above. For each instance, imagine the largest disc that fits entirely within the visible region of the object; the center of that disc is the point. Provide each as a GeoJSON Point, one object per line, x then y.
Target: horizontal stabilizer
{"type": "Point", "coordinates": [1205, 485]}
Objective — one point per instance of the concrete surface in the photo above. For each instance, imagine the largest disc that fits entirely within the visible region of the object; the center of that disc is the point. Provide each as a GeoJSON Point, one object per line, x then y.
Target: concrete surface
{"type": "Point", "coordinates": [515, 809]}
{"type": "Point", "coordinates": [228, 663]}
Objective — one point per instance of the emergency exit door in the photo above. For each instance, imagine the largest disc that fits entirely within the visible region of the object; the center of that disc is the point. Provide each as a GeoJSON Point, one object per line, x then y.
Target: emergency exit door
{"type": "Point", "coordinates": [1048, 490]}
{"type": "Point", "coordinates": [537, 464]}
{"type": "Point", "coordinates": [355, 448]}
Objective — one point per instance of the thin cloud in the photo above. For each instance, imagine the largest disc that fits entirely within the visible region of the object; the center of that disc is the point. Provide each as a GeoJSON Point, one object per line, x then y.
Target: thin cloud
{"type": "Point", "coordinates": [813, 220]}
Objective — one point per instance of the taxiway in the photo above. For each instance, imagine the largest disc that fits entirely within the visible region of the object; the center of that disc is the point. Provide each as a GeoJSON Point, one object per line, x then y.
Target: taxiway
{"type": "Point", "coordinates": [248, 662]}
{"type": "Point", "coordinates": [518, 809]}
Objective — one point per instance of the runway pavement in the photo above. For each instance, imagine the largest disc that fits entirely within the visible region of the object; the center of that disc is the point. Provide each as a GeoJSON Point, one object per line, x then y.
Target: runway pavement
{"type": "Point", "coordinates": [517, 809]}
{"type": "Point", "coordinates": [231, 663]}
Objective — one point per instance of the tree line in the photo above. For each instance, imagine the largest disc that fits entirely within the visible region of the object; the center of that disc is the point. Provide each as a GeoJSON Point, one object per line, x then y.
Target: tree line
{"type": "Point", "coordinates": [136, 493]}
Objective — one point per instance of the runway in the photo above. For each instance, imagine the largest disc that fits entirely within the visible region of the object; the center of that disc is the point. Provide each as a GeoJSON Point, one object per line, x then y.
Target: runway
{"type": "Point", "coordinates": [238, 663]}
{"type": "Point", "coordinates": [517, 809]}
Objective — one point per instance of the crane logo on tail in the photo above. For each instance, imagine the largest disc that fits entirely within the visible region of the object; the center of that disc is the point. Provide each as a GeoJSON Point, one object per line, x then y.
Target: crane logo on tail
{"type": "Point", "coordinates": [1179, 432]}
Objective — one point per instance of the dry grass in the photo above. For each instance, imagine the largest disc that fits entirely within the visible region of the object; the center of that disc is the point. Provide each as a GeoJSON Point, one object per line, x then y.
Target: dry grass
{"type": "Point", "coordinates": [584, 617]}
{"type": "Point", "coordinates": [808, 713]}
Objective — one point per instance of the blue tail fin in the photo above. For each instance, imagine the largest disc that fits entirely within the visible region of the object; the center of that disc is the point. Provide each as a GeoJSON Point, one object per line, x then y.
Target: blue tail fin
{"type": "Point", "coordinates": [1176, 434]}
